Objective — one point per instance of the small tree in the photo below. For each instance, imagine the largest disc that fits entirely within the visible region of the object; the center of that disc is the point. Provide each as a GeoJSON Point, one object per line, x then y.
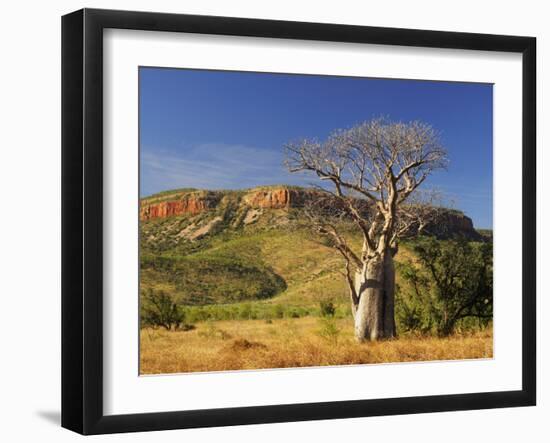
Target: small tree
{"type": "Point", "coordinates": [158, 309]}
{"type": "Point", "coordinates": [460, 279]}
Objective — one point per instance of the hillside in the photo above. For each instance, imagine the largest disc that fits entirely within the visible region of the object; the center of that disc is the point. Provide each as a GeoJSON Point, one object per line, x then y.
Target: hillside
{"type": "Point", "coordinates": [211, 247]}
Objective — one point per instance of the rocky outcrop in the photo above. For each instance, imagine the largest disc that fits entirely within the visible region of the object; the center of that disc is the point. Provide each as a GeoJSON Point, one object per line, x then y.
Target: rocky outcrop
{"type": "Point", "coordinates": [196, 202]}
{"type": "Point", "coordinates": [268, 199]}
{"type": "Point", "coordinates": [191, 203]}
{"type": "Point", "coordinates": [205, 229]}
{"type": "Point", "coordinates": [451, 224]}
{"type": "Point", "coordinates": [278, 198]}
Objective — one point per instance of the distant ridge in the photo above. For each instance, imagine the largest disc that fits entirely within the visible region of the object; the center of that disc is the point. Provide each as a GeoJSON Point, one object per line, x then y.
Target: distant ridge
{"type": "Point", "coordinates": [244, 207]}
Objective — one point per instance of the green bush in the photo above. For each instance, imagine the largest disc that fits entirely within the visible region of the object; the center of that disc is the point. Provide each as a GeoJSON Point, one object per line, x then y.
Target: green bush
{"type": "Point", "coordinates": [158, 309]}
{"type": "Point", "coordinates": [327, 308]}
{"type": "Point", "coordinates": [294, 313]}
{"type": "Point", "coordinates": [452, 286]}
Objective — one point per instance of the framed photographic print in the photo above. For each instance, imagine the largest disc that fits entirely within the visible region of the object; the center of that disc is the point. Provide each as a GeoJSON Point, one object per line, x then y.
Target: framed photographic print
{"type": "Point", "coordinates": [269, 221]}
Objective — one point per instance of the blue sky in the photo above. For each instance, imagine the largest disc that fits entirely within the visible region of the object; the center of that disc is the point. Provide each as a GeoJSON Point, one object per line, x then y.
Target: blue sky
{"type": "Point", "coordinates": [226, 130]}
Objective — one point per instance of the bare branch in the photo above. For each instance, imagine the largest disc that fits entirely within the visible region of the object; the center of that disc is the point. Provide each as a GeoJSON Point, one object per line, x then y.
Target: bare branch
{"type": "Point", "coordinates": [375, 170]}
{"type": "Point", "coordinates": [324, 214]}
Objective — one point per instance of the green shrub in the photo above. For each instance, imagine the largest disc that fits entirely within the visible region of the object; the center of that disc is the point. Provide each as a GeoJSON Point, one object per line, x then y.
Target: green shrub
{"type": "Point", "coordinates": [452, 286]}
{"type": "Point", "coordinates": [327, 308]}
{"type": "Point", "coordinates": [294, 313]}
{"type": "Point", "coordinates": [158, 309]}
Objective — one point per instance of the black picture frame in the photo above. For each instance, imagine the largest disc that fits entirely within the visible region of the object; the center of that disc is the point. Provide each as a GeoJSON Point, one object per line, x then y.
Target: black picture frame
{"type": "Point", "coordinates": [82, 218]}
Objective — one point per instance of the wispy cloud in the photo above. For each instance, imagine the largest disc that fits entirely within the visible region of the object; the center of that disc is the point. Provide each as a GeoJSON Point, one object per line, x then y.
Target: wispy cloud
{"type": "Point", "coordinates": [213, 166]}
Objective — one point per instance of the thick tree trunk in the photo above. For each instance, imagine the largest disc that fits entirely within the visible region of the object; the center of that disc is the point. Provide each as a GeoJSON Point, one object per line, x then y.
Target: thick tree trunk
{"type": "Point", "coordinates": [375, 287]}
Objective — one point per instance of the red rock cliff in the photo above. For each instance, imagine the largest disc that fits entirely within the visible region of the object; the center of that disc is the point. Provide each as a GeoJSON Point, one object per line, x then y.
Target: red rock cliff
{"type": "Point", "coordinates": [184, 204]}
{"type": "Point", "coordinates": [271, 198]}
{"type": "Point", "coordinates": [197, 202]}
{"type": "Point", "coordinates": [277, 198]}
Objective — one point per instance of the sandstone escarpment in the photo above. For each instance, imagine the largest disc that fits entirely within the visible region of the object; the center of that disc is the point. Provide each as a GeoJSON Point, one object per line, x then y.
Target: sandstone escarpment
{"type": "Point", "coordinates": [271, 198]}
{"type": "Point", "coordinates": [196, 202]}
{"type": "Point", "coordinates": [255, 204]}
{"type": "Point", "coordinates": [278, 198]}
{"type": "Point", "coordinates": [191, 203]}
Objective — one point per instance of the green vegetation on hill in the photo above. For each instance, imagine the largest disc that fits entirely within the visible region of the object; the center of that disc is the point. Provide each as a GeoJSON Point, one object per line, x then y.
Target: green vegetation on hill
{"type": "Point", "coordinates": [205, 278]}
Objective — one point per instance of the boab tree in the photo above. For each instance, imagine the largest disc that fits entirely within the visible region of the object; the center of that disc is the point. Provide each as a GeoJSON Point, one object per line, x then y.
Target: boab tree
{"type": "Point", "coordinates": [373, 171]}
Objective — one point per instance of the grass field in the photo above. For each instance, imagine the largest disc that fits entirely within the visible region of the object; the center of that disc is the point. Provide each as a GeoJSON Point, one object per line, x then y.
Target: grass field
{"type": "Point", "coordinates": [284, 343]}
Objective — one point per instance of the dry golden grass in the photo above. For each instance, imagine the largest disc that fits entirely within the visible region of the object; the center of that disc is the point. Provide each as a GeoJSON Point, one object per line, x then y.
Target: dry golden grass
{"type": "Point", "coordinates": [284, 343]}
